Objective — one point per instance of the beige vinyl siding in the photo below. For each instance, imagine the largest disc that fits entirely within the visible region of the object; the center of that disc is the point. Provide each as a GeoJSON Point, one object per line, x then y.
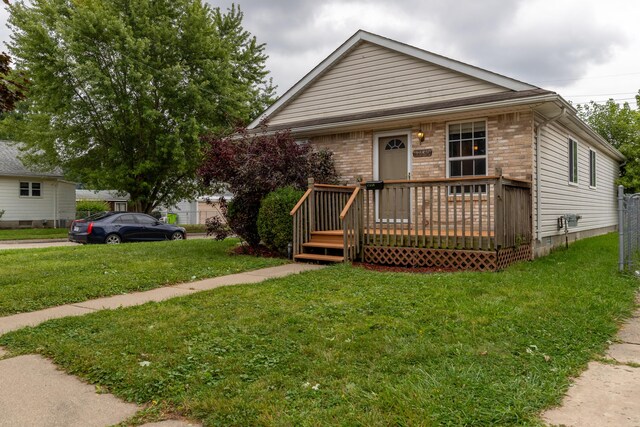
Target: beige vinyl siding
{"type": "Point", "coordinates": [558, 197]}
{"type": "Point", "coordinates": [371, 78]}
{"type": "Point", "coordinates": [36, 208]}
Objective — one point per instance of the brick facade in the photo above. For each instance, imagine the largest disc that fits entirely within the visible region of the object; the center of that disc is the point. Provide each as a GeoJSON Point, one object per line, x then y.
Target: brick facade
{"type": "Point", "coordinates": [509, 148]}
{"type": "Point", "coordinates": [353, 154]}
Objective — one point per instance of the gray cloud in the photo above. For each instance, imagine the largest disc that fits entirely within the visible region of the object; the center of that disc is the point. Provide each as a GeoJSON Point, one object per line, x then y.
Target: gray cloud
{"type": "Point", "coordinates": [535, 49]}
{"type": "Point", "coordinates": [511, 37]}
{"type": "Point", "coordinates": [523, 39]}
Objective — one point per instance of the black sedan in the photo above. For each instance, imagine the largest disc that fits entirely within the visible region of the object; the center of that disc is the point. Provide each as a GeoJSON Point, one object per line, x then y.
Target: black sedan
{"type": "Point", "coordinates": [118, 227]}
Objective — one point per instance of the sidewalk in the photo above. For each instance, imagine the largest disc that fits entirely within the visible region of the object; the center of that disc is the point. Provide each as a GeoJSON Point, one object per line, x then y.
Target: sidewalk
{"type": "Point", "coordinates": [34, 392]}
{"type": "Point", "coordinates": [606, 394]}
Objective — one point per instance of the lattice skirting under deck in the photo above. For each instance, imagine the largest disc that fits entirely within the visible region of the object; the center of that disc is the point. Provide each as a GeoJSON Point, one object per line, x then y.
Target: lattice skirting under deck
{"type": "Point", "coordinates": [446, 258]}
{"type": "Point", "coordinates": [508, 256]}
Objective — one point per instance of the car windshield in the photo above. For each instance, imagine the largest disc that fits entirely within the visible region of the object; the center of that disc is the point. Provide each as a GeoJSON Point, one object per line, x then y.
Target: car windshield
{"type": "Point", "coordinates": [97, 216]}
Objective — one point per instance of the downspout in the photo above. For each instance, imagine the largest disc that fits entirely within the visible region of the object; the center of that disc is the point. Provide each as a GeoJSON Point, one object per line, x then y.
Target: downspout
{"type": "Point", "coordinates": [538, 192]}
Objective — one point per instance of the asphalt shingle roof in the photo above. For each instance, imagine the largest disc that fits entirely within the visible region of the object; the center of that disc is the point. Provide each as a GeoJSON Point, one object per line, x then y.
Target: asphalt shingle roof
{"type": "Point", "coordinates": [10, 164]}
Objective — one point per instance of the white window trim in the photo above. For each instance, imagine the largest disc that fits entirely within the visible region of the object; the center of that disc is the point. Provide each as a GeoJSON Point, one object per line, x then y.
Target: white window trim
{"type": "Point", "coordinates": [30, 195]}
{"type": "Point", "coordinates": [569, 168]}
{"type": "Point", "coordinates": [446, 149]}
{"type": "Point", "coordinates": [595, 168]}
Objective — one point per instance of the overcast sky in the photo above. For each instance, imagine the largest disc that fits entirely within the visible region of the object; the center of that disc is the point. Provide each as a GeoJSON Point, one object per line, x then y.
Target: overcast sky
{"type": "Point", "coordinates": [583, 49]}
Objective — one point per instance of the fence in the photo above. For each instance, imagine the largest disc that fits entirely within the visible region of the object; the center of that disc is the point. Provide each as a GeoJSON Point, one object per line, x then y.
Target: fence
{"type": "Point", "coordinates": [628, 230]}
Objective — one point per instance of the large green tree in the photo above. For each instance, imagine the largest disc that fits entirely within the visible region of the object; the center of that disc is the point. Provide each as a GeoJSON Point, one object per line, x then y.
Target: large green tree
{"type": "Point", "coordinates": [620, 125]}
{"type": "Point", "coordinates": [121, 90]}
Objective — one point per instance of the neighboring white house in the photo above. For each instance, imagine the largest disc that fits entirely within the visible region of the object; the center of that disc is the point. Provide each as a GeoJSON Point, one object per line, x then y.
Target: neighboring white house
{"type": "Point", "coordinates": [31, 198]}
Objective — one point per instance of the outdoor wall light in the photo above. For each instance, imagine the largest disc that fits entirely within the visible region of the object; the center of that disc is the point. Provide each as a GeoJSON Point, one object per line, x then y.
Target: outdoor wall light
{"type": "Point", "coordinates": [420, 135]}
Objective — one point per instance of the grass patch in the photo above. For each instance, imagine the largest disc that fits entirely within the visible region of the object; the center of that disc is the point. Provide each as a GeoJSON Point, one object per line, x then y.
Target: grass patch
{"type": "Point", "coordinates": [33, 233]}
{"type": "Point", "coordinates": [354, 347]}
{"type": "Point", "coordinates": [39, 278]}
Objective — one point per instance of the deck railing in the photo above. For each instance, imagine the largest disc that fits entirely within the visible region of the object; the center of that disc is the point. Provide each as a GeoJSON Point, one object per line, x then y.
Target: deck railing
{"type": "Point", "coordinates": [329, 208]}
{"type": "Point", "coordinates": [486, 213]}
{"type": "Point", "coordinates": [473, 213]}
{"type": "Point", "coordinates": [352, 225]}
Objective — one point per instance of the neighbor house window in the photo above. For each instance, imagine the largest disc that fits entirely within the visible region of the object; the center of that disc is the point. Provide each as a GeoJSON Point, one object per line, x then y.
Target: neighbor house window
{"type": "Point", "coordinates": [592, 168]}
{"type": "Point", "coordinates": [467, 153]}
{"type": "Point", "coordinates": [573, 161]}
{"type": "Point", "coordinates": [30, 189]}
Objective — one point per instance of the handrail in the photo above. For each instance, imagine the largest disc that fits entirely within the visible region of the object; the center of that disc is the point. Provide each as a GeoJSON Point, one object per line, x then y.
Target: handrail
{"type": "Point", "coordinates": [349, 203]}
{"type": "Point", "coordinates": [301, 201]}
{"type": "Point", "coordinates": [337, 187]}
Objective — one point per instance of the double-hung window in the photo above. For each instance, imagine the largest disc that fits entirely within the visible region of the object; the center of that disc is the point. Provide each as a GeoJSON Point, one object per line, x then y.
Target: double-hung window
{"type": "Point", "coordinates": [467, 153]}
{"type": "Point", "coordinates": [30, 189]}
{"type": "Point", "coordinates": [573, 161]}
{"type": "Point", "coordinates": [592, 168]}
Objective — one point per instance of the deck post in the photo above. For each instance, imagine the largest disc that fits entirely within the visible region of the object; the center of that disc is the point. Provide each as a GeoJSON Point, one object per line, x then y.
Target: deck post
{"type": "Point", "coordinates": [499, 213]}
{"type": "Point", "coordinates": [312, 206]}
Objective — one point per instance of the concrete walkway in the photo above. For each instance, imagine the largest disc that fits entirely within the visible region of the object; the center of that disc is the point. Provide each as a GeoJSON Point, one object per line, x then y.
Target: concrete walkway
{"type": "Point", "coordinates": [606, 394]}
{"type": "Point", "coordinates": [33, 392]}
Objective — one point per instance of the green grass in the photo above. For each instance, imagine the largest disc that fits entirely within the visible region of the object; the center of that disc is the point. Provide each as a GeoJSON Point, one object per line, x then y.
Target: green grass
{"type": "Point", "coordinates": [38, 278]}
{"type": "Point", "coordinates": [33, 233]}
{"type": "Point", "coordinates": [383, 348]}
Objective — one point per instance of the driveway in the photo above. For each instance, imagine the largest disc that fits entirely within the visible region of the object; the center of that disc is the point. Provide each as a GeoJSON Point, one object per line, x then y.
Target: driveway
{"type": "Point", "coordinates": [33, 244]}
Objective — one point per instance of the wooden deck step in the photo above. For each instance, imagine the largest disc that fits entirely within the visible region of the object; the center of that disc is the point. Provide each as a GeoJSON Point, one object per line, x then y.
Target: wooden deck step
{"type": "Point", "coordinates": [327, 233]}
{"type": "Point", "coordinates": [323, 245]}
{"type": "Point", "coordinates": [331, 236]}
{"type": "Point", "coordinates": [316, 257]}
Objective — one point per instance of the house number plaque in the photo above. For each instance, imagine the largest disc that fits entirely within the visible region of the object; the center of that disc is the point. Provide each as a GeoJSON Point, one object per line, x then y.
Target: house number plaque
{"type": "Point", "coordinates": [425, 152]}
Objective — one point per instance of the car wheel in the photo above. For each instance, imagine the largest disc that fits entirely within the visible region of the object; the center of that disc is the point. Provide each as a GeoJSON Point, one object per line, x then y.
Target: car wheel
{"type": "Point", "coordinates": [112, 239]}
{"type": "Point", "coordinates": [177, 236]}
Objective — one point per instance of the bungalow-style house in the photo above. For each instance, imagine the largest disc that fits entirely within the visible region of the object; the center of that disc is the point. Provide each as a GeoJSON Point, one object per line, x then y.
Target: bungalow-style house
{"type": "Point", "coordinates": [450, 165]}
{"type": "Point", "coordinates": [32, 199]}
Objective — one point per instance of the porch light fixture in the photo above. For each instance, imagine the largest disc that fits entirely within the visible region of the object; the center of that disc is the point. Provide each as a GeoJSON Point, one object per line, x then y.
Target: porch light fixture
{"type": "Point", "coordinates": [421, 135]}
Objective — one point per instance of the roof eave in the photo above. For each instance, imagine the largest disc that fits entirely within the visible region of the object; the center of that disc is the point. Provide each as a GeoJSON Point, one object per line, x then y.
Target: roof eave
{"type": "Point", "coordinates": [422, 114]}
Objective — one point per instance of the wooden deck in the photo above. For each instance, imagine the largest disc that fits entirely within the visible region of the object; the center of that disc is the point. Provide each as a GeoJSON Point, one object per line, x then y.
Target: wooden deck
{"type": "Point", "coordinates": [476, 223]}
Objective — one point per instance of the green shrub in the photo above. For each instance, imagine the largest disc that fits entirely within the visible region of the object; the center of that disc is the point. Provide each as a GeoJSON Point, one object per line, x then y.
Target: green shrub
{"type": "Point", "coordinates": [85, 208]}
{"type": "Point", "coordinates": [275, 225]}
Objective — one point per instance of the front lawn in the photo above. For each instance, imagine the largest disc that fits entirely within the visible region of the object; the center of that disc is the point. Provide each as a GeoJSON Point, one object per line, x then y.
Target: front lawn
{"type": "Point", "coordinates": [353, 347]}
{"type": "Point", "coordinates": [33, 233]}
{"type": "Point", "coordinates": [38, 278]}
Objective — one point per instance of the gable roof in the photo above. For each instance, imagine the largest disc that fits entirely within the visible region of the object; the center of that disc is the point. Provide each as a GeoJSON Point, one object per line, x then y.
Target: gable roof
{"type": "Point", "coordinates": [11, 165]}
{"type": "Point", "coordinates": [423, 56]}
